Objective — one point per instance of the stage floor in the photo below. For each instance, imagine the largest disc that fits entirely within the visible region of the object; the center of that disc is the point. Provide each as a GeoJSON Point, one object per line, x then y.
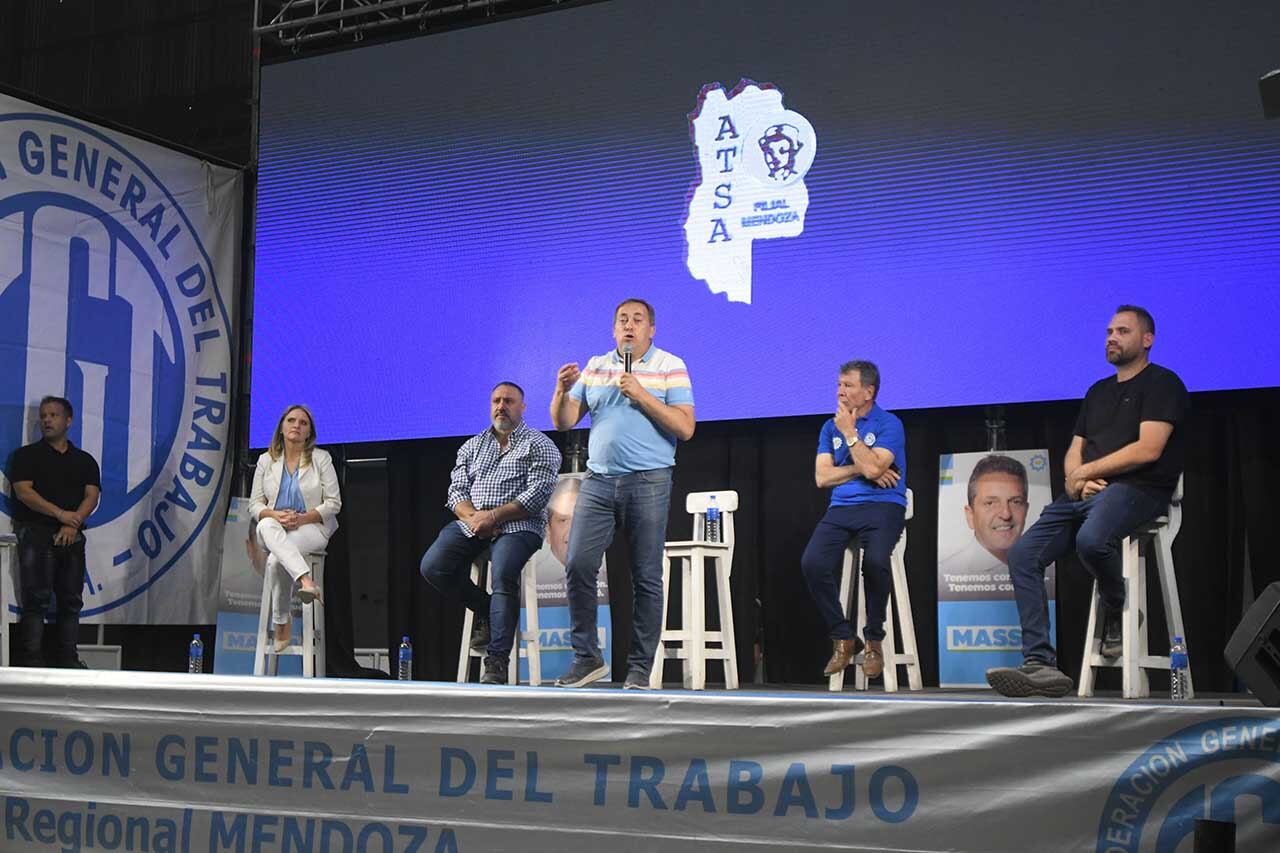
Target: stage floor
{"type": "Point", "coordinates": [243, 763]}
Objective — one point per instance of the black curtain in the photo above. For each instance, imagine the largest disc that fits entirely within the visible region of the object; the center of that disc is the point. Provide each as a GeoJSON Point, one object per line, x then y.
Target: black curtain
{"type": "Point", "coordinates": [1229, 508]}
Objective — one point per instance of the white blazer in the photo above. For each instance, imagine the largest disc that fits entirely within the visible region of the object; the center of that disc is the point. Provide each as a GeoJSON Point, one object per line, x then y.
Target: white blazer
{"type": "Point", "coordinates": [318, 483]}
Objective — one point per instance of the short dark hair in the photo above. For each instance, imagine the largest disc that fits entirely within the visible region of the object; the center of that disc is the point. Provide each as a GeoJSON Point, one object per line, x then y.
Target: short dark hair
{"type": "Point", "coordinates": [61, 401]}
{"type": "Point", "coordinates": [996, 464]}
{"type": "Point", "coordinates": [1144, 316]}
{"type": "Point", "coordinates": [647, 307]}
{"type": "Point", "coordinates": [868, 373]}
{"type": "Point", "coordinates": [512, 384]}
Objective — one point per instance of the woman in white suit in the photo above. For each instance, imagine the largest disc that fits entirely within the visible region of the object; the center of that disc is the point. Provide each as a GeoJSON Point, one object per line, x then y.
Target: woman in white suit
{"type": "Point", "coordinates": [295, 501]}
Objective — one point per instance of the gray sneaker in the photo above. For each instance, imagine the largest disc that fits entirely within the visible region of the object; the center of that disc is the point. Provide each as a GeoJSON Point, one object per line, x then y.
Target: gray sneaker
{"type": "Point", "coordinates": [1031, 679]}
{"type": "Point", "coordinates": [583, 672]}
{"type": "Point", "coordinates": [636, 680]}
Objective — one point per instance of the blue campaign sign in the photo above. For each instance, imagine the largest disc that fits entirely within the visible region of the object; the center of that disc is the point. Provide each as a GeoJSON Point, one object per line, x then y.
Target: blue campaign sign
{"type": "Point", "coordinates": [237, 638]}
{"type": "Point", "coordinates": [974, 636]}
{"type": "Point", "coordinates": [986, 501]}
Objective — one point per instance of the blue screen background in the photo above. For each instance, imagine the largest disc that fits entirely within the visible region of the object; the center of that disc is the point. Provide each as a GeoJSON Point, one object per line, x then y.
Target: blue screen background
{"type": "Point", "coordinates": [438, 214]}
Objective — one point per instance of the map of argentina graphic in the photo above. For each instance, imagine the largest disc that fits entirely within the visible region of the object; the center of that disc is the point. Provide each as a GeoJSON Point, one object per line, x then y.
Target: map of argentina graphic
{"type": "Point", "coordinates": [753, 155]}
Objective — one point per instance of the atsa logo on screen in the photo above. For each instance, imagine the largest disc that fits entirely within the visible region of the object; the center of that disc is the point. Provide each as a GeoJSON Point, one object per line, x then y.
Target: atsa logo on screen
{"type": "Point", "coordinates": [107, 298]}
{"type": "Point", "coordinates": [752, 155]}
{"type": "Point", "coordinates": [1225, 770]}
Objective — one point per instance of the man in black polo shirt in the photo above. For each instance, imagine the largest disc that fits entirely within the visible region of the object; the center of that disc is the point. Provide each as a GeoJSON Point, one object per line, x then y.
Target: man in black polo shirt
{"type": "Point", "coordinates": [1121, 469]}
{"type": "Point", "coordinates": [56, 485]}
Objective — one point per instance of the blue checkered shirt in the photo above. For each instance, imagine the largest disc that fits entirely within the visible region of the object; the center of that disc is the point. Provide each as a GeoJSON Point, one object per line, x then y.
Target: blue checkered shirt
{"type": "Point", "coordinates": [489, 477]}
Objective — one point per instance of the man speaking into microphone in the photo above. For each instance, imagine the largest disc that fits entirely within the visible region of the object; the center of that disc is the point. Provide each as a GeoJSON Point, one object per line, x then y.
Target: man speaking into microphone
{"type": "Point", "coordinates": [641, 403]}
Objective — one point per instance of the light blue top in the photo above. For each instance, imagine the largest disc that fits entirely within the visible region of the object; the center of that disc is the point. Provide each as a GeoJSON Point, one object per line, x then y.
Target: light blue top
{"type": "Point", "coordinates": [623, 438]}
{"type": "Point", "coordinates": [290, 496]}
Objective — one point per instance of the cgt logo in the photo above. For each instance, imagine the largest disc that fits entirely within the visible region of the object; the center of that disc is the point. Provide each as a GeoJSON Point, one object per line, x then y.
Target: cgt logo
{"type": "Point", "coordinates": [108, 298]}
{"type": "Point", "coordinates": [1225, 770]}
{"type": "Point", "coordinates": [984, 638]}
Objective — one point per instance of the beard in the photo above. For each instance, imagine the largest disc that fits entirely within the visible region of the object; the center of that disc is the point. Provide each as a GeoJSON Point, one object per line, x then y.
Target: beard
{"type": "Point", "coordinates": [1121, 357]}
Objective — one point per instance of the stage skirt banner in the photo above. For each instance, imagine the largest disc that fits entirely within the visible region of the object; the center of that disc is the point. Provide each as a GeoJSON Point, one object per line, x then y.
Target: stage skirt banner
{"type": "Point", "coordinates": [118, 266]}
{"type": "Point", "coordinates": [985, 503]}
{"type": "Point", "coordinates": [115, 761]}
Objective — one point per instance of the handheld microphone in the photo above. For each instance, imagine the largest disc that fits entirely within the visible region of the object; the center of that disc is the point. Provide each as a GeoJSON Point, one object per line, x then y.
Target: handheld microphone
{"type": "Point", "coordinates": [626, 357]}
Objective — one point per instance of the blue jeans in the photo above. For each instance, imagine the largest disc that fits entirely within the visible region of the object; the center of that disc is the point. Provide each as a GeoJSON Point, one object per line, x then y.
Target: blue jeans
{"type": "Point", "coordinates": [638, 503]}
{"type": "Point", "coordinates": [1094, 528]}
{"type": "Point", "coordinates": [447, 567]}
{"type": "Point", "coordinates": [47, 571]}
{"type": "Point", "coordinates": [876, 527]}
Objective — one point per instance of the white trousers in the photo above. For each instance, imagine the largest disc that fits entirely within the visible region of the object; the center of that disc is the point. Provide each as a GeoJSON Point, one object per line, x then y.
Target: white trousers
{"type": "Point", "coordinates": [286, 561]}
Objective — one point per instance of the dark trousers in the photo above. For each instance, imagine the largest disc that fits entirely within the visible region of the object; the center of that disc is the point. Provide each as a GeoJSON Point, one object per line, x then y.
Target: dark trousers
{"type": "Point", "coordinates": [447, 567]}
{"type": "Point", "coordinates": [1094, 528]}
{"type": "Point", "coordinates": [876, 528]}
{"type": "Point", "coordinates": [47, 571]}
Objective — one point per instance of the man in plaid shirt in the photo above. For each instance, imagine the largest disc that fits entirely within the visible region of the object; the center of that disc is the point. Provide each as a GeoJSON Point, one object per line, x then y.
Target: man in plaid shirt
{"type": "Point", "coordinates": [499, 490]}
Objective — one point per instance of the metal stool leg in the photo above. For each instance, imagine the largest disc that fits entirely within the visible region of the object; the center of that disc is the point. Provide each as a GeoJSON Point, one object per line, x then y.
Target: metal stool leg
{"type": "Point", "coordinates": [313, 622]}
{"type": "Point", "coordinates": [264, 627]}
{"type": "Point", "coordinates": [906, 619]}
{"type": "Point", "coordinates": [532, 633]}
{"type": "Point", "coordinates": [655, 673]}
{"type": "Point", "coordinates": [835, 683]}
{"type": "Point", "coordinates": [727, 642]}
{"type": "Point", "coordinates": [1162, 546]}
{"type": "Point", "coordinates": [1092, 643]}
{"type": "Point", "coordinates": [468, 620]}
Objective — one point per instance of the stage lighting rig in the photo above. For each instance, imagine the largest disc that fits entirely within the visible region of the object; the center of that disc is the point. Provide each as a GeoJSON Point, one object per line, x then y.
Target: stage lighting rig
{"type": "Point", "coordinates": [301, 24]}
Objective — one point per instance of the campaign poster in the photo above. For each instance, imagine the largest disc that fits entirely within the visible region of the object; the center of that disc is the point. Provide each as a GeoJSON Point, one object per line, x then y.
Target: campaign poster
{"type": "Point", "coordinates": [240, 596]}
{"type": "Point", "coordinates": [553, 604]}
{"type": "Point", "coordinates": [986, 501]}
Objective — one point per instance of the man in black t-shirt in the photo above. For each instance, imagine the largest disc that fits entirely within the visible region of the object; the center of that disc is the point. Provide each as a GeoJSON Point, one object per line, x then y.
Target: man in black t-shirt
{"type": "Point", "coordinates": [56, 485]}
{"type": "Point", "coordinates": [1121, 469]}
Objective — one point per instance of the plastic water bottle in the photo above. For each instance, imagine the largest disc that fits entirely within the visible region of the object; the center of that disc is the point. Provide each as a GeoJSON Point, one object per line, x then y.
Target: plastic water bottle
{"type": "Point", "coordinates": [405, 672]}
{"type": "Point", "coordinates": [1179, 671]}
{"type": "Point", "coordinates": [713, 521]}
{"type": "Point", "coordinates": [195, 655]}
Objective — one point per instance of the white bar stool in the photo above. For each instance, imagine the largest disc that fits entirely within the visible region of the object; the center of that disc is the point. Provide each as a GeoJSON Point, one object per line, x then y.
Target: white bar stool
{"type": "Point", "coordinates": [8, 591]}
{"type": "Point", "coordinates": [1134, 661]}
{"type": "Point", "coordinates": [901, 600]}
{"type": "Point", "coordinates": [266, 661]}
{"type": "Point", "coordinates": [528, 643]}
{"type": "Point", "coordinates": [695, 643]}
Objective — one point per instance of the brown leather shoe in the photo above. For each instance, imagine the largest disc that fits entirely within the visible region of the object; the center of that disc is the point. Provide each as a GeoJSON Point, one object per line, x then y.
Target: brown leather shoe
{"type": "Point", "coordinates": [842, 654]}
{"type": "Point", "coordinates": [873, 660]}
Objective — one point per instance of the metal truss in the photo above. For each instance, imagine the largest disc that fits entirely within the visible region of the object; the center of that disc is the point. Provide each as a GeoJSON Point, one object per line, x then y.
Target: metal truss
{"type": "Point", "coordinates": [296, 23]}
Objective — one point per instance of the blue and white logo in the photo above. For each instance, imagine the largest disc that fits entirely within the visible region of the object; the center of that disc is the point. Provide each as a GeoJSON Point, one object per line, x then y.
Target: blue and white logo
{"type": "Point", "coordinates": [752, 155]}
{"type": "Point", "coordinates": [108, 298]}
{"type": "Point", "coordinates": [1225, 770]}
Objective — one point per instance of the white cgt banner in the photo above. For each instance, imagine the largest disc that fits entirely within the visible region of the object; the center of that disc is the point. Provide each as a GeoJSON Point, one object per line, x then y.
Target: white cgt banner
{"type": "Point", "coordinates": [106, 760]}
{"type": "Point", "coordinates": [117, 271]}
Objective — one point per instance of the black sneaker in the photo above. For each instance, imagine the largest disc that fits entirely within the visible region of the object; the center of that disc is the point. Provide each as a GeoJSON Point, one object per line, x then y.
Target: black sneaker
{"type": "Point", "coordinates": [495, 671]}
{"type": "Point", "coordinates": [583, 672]}
{"type": "Point", "coordinates": [636, 680]}
{"type": "Point", "coordinates": [1031, 679]}
{"type": "Point", "coordinates": [1113, 633]}
{"type": "Point", "coordinates": [480, 633]}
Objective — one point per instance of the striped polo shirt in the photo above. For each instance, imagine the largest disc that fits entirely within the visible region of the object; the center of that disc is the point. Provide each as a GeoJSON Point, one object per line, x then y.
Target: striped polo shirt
{"type": "Point", "coordinates": [623, 438]}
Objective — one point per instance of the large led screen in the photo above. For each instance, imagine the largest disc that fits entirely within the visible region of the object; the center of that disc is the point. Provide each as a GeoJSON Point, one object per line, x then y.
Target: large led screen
{"type": "Point", "coordinates": [960, 192]}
